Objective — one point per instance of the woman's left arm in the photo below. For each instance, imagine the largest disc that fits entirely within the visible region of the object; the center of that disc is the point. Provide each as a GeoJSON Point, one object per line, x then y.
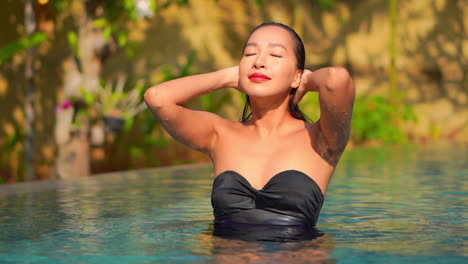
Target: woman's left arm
{"type": "Point", "coordinates": [336, 95]}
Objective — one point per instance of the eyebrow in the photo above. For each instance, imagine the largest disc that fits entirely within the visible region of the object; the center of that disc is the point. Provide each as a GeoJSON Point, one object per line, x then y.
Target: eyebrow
{"type": "Point", "coordinates": [272, 44]}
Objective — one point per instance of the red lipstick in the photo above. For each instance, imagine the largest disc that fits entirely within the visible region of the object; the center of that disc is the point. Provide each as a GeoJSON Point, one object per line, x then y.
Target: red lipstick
{"type": "Point", "coordinates": [259, 77]}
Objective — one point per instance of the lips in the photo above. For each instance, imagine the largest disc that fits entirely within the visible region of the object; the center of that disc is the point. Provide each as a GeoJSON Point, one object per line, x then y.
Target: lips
{"type": "Point", "coordinates": [259, 77]}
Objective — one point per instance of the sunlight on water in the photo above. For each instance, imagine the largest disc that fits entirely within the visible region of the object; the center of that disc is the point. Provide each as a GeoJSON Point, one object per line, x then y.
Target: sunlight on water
{"type": "Point", "coordinates": [399, 204]}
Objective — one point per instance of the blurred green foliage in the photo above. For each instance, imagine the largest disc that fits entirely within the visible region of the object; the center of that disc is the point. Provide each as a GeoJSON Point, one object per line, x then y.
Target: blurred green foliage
{"type": "Point", "coordinates": [111, 99]}
{"type": "Point", "coordinates": [153, 134]}
{"type": "Point", "coordinates": [326, 4]}
{"type": "Point", "coordinates": [73, 42]}
{"type": "Point", "coordinates": [21, 45]}
{"type": "Point", "coordinates": [113, 23]}
{"type": "Point", "coordinates": [310, 106]}
{"type": "Point", "coordinates": [14, 140]}
{"type": "Point", "coordinates": [375, 118]}
{"type": "Point", "coordinates": [12, 151]}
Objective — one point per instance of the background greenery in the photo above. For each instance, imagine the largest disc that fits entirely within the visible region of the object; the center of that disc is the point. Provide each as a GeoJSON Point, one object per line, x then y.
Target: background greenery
{"type": "Point", "coordinates": [408, 60]}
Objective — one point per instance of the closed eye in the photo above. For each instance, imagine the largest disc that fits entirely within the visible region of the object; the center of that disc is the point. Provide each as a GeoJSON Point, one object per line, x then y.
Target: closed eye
{"type": "Point", "coordinates": [249, 54]}
{"type": "Point", "coordinates": [276, 55]}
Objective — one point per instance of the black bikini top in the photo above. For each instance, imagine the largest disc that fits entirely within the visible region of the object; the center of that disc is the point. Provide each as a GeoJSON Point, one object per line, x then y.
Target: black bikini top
{"type": "Point", "coordinates": [289, 198]}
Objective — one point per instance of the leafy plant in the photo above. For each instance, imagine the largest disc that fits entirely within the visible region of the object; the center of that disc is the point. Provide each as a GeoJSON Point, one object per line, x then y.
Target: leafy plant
{"type": "Point", "coordinates": [327, 4]}
{"type": "Point", "coordinates": [113, 23]}
{"type": "Point", "coordinates": [112, 101]}
{"type": "Point", "coordinates": [154, 136]}
{"type": "Point", "coordinates": [21, 45]}
{"type": "Point", "coordinates": [374, 118]}
{"type": "Point", "coordinates": [13, 150]}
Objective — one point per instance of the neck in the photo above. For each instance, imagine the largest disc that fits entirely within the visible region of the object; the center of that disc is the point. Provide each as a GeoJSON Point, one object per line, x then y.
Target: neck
{"type": "Point", "coordinates": [270, 116]}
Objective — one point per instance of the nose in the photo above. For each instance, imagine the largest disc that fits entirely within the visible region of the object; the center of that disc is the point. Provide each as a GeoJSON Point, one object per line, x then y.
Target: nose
{"type": "Point", "coordinates": [259, 62]}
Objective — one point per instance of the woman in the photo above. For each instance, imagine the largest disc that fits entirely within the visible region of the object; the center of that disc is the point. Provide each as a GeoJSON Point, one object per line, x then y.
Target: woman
{"type": "Point", "coordinates": [273, 168]}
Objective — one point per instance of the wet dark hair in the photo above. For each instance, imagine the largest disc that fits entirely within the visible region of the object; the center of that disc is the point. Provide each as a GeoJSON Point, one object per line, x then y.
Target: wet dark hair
{"type": "Point", "coordinates": [299, 51]}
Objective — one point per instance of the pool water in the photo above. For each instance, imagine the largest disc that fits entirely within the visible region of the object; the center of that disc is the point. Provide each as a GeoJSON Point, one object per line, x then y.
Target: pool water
{"type": "Point", "coordinates": [392, 204]}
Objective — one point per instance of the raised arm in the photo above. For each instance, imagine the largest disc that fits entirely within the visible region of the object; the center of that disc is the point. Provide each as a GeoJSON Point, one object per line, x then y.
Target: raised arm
{"type": "Point", "coordinates": [336, 95]}
{"type": "Point", "coordinates": [194, 128]}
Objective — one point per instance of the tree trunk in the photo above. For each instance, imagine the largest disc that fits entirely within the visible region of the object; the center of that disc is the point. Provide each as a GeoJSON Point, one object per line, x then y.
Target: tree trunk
{"type": "Point", "coordinates": [30, 23]}
{"type": "Point", "coordinates": [90, 40]}
{"type": "Point", "coordinates": [73, 158]}
{"type": "Point", "coordinates": [393, 5]}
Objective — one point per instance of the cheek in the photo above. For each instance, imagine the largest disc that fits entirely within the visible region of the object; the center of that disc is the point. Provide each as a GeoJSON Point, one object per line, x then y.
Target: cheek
{"type": "Point", "coordinates": [244, 68]}
{"type": "Point", "coordinates": [286, 72]}
{"type": "Point", "coordinates": [244, 65]}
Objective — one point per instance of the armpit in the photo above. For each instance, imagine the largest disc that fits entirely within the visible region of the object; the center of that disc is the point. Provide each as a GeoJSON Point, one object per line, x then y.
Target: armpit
{"type": "Point", "coordinates": [320, 145]}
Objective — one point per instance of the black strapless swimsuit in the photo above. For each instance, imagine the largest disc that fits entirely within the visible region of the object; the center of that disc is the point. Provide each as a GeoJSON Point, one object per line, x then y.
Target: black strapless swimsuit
{"type": "Point", "coordinates": [290, 199]}
{"type": "Point", "coordinates": [285, 209]}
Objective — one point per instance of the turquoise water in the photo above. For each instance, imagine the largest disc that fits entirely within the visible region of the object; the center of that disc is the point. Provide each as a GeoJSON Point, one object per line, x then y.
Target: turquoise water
{"type": "Point", "coordinates": [399, 204]}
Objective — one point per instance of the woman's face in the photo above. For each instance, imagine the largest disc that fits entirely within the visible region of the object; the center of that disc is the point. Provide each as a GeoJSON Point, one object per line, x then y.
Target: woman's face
{"type": "Point", "coordinates": [269, 65]}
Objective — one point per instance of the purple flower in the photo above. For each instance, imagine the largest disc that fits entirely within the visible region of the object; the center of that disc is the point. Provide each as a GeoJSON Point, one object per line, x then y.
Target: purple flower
{"type": "Point", "coordinates": [65, 105]}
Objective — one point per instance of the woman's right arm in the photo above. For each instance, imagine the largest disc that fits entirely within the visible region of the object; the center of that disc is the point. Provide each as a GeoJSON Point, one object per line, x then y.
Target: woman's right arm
{"type": "Point", "coordinates": [194, 128]}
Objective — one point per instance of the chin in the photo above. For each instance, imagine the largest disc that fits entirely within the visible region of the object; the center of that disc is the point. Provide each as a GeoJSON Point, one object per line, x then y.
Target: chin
{"type": "Point", "coordinates": [257, 89]}
{"type": "Point", "coordinates": [263, 91]}
{"type": "Point", "coordinates": [257, 92]}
